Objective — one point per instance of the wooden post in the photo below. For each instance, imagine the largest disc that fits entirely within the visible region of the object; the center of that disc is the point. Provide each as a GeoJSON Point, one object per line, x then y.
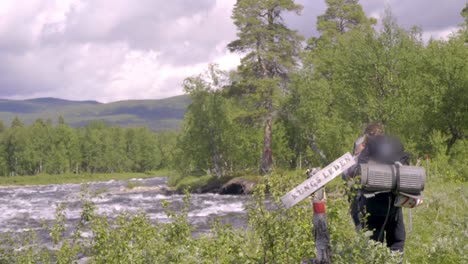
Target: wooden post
{"type": "Point", "coordinates": [321, 234]}
{"type": "Point", "coordinates": [320, 229]}
{"type": "Point", "coordinates": [317, 179]}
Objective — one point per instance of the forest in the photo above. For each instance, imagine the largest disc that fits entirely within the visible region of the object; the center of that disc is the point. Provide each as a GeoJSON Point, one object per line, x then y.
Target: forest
{"type": "Point", "coordinates": [43, 148]}
{"type": "Point", "coordinates": [290, 106]}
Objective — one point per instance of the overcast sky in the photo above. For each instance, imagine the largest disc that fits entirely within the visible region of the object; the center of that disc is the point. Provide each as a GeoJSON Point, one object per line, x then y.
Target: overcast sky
{"type": "Point", "coordinates": [109, 50]}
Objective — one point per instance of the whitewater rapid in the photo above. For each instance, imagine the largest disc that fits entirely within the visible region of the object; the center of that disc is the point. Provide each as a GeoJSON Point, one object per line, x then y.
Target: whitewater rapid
{"type": "Point", "coordinates": [23, 208]}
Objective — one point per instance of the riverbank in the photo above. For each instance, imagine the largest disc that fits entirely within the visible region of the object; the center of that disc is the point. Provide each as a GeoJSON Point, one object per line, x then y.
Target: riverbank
{"type": "Point", "coordinates": [177, 183]}
{"type": "Point", "coordinates": [45, 179]}
{"type": "Point", "coordinates": [211, 184]}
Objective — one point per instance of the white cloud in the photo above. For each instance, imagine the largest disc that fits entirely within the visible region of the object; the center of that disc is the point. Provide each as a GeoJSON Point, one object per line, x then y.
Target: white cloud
{"type": "Point", "coordinates": [109, 50]}
{"type": "Point", "coordinates": [439, 34]}
{"type": "Point", "coordinates": [81, 50]}
{"type": "Point", "coordinates": [22, 22]}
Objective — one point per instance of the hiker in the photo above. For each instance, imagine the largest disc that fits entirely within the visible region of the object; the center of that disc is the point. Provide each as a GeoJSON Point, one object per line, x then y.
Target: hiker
{"type": "Point", "coordinates": [376, 211]}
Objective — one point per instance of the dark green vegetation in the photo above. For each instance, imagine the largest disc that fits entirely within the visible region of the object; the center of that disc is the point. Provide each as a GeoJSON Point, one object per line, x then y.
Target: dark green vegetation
{"type": "Point", "coordinates": [161, 114]}
{"type": "Point", "coordinates": [97, 148]}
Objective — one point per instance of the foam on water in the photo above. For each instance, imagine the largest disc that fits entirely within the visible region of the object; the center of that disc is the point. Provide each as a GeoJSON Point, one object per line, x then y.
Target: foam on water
{"type": "Point", "coordinates": [218, 209]}
{"type": "Point", "coordinates": [157, 216]}
{"type": "Point", "coordinates": [28, 207]}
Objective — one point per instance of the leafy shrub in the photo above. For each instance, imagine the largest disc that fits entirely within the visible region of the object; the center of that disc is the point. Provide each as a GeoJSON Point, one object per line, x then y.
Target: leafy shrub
{"type": "Point", "coordinates": [448, 166]}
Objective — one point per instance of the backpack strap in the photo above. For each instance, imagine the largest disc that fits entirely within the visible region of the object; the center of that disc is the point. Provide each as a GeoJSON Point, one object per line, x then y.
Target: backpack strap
{"type": "Point", "coordinates": [372, 194]}
{"type": "Point", "coordinates": [397, 177]}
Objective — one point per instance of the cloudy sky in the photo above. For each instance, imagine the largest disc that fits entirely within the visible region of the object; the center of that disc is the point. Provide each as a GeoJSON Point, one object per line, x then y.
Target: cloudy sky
{"type": "Point", "coordinates": [109, 50]}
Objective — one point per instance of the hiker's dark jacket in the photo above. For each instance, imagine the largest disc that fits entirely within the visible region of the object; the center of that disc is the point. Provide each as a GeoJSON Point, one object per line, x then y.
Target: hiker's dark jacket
{"type": "Point", "coordinates": [384, 219]}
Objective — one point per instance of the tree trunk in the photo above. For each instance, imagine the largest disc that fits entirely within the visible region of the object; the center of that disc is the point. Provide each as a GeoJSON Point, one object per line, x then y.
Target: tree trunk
{"type": "Point", "coordinates": [315, 148]}
{"type": "Point", "coordinates": [267, 156]}
{"type": "Point", "coordinates": [216, 161]}
{"type": "Point", "coordinates": [455, 135]}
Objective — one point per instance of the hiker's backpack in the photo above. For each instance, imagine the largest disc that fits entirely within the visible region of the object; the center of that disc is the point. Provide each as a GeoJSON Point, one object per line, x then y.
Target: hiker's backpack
{"type": "Point", "coordinates": [385, 175]}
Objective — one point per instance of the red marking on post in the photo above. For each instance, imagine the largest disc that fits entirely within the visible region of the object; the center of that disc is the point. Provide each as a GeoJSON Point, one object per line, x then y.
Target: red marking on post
{"type": "Point", "coordinates": [319, 208]}
{"type": "Point", "coordinates": [407, 199]}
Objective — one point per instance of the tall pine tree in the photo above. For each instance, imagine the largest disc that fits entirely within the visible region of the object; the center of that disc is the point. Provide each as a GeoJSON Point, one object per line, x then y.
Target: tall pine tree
{"type": "Point", "coordinates": [271, 50]}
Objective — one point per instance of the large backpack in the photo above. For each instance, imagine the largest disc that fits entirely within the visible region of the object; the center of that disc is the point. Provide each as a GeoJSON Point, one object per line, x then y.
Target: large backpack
{"type": "Point", "coordinates": [381, 149]}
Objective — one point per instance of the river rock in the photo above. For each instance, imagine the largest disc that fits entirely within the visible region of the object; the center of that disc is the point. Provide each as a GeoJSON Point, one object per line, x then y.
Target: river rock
{"type": "Point", "coordinates": [238, 186]}
{"type": "Point", "coordinates": [211, 187]}
{"type": "Point", "coordinates": [142, 189]}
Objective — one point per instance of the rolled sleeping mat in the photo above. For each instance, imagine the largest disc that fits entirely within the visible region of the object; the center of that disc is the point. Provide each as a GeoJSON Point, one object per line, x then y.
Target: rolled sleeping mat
{"type": "Point", "coordinates": [383, 177]}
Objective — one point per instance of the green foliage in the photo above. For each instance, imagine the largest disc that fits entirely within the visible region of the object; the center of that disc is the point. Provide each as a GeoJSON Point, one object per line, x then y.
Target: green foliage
{"type": "Point", "coordinates": [311, 120]}
{"type": "Point", "coordinates": [216, 138]}
{"type": "Point", "coordinates": [192, 183]}
{"type": "Point", "coordinates": [464, 27]}
{"type": "Point", "coordinates": [59, 226]}
{"type": "Point", "coordinates": [271, 53]}
{"type": "Point", "coordinates": [271, 46]}
{"type": "Point", "coordinates": [438, 234]}
{"type": "Point", "coordinates": [340, 17]}
{"type": "Point", "coordinates": [447, 84]}
{"type": "Point", "coordinates": [97, 148]}
{"type": "Point", "coordinates": [209, 136]}
{"type": "Point", "coordinates": [369, 74]}
{"type": "Point", "coordinates": [166, 142]}
{"type": "Point", "coordinates": [458, 154]}
{"type": "Point", "coordinates": [285, 236]}
{"type": "Point", "coordinates": [450, 166]}
{"type": "Point", "coordinates": [284, 156]}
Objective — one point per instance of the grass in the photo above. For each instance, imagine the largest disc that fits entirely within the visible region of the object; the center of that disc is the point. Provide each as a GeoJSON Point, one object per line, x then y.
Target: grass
{"type": "Point", "coordinates": [196, 183]}
{"type": "Point", "coordinates": [44, 179]}
{"type": "Point", "coordinates": [440, 225]}
{"type": "Point", "coordinates": [193, 183]}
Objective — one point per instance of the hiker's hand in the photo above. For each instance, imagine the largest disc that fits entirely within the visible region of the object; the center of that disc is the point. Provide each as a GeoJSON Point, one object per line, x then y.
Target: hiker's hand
{"type": "Point", "coordinates": [359, 148]}
{"type": "Point", "coordinates": [311, 172]}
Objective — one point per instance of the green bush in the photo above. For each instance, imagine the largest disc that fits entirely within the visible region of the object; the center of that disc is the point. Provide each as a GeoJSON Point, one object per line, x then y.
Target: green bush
{"type": "Point", "coordinates": [192, 183]}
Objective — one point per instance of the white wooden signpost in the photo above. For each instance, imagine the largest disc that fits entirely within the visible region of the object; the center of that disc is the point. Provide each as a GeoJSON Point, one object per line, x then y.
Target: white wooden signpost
{"type": "Point", "coordinates": [319, 180]}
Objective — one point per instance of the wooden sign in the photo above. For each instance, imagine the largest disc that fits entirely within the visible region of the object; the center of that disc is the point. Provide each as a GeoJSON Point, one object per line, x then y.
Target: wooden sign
{"type": "Point", "coordinates": [317, 181]}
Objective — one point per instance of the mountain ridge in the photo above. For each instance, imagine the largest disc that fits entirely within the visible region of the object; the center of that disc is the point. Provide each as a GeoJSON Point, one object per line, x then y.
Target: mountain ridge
{"type": "Point", "coordinates": [157, 114]}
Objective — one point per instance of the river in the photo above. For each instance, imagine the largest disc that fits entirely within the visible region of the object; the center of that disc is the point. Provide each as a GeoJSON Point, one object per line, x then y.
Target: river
{"type": "Point", "coordinates": [30, 207]}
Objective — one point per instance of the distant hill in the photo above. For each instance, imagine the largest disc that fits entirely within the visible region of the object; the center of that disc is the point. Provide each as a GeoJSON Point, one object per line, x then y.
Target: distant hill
{"type": "Point", "coordinates": [163, 114]}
